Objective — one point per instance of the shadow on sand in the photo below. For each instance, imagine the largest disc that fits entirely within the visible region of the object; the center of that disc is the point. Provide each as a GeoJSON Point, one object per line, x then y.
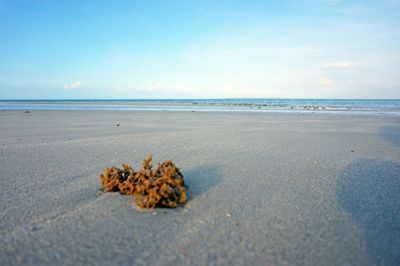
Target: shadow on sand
{"type": "Point", "coordinates": [369, 190]}
{"type": "Point", "coordinates": [200, 180]}
{"type": "Point", "coordinates": [391, 134]}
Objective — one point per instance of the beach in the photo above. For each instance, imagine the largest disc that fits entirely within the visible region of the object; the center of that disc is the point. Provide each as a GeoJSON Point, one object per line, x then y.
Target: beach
{"type": "Point", "coordinates": [263, 188]}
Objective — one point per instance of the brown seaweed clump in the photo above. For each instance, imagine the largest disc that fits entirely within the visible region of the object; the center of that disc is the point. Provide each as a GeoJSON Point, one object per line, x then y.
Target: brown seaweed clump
{"type": "Point", "coordinates": [163, 186]}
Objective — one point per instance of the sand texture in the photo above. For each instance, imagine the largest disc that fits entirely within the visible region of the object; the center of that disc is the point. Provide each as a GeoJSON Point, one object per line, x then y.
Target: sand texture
{"type": "Point", "coordinates": [263, 188]}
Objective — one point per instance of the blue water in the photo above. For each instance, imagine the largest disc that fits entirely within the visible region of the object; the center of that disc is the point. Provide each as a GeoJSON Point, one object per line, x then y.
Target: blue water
{"type": "Point", "coordinates": [391, 107]}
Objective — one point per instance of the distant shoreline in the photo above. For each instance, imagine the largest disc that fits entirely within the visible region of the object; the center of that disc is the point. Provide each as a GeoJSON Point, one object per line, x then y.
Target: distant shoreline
{"type": "Point", "coordinates": [358, 107]}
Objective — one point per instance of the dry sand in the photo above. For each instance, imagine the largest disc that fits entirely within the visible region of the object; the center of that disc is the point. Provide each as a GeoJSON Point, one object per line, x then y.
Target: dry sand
{"type": "Point", "coordinates": [263, 189]}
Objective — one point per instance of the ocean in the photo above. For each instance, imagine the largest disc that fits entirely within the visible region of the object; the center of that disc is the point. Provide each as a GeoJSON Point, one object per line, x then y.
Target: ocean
{"type": "Point", "coordinates": [344, 106]}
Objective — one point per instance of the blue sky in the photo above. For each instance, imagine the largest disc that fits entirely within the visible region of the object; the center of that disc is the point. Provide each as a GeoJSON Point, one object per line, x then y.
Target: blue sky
{"type": "Point", "coordinates": [199, 49]}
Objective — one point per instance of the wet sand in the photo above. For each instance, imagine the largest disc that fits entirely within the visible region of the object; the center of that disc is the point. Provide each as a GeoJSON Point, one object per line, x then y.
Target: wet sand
{"type": "Point", "coordinates": [307, 189]}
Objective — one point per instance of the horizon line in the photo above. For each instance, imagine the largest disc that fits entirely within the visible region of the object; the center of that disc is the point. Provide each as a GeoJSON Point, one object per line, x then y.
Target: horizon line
{"type": "Point", "coordinates": [183, 99]}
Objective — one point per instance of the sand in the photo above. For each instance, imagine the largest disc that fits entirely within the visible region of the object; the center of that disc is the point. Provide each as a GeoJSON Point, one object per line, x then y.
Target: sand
{"type": "Point", "coordinates": [307, 189]}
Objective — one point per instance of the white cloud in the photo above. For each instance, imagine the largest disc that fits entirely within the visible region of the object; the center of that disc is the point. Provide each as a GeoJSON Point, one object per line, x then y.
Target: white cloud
{"type": "Point", "coordinates": [326, 82]}
{"type": "Point", "coordinates": [340, 64]}
{"type": "Point", "coordinates": [227, 90]}
{"type": "Point", "coordinates": [73, 85]}
{"type": "Point", "coordinates": [173, 88]}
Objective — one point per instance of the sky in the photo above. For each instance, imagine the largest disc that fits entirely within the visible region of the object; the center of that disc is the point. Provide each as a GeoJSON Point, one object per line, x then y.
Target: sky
{"type": "Point", "coordinates": [84, 49]}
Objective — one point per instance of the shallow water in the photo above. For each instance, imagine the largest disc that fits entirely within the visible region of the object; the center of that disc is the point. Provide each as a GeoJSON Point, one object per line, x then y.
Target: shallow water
{"type": "Point", "coordinates": [390, 107]}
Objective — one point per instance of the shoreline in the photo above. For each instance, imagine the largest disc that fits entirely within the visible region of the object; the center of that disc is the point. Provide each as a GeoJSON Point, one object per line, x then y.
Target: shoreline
{"type": "Point", "coordinates": [304, 111]}
{"type": "Point", "coordinates": [359, 107]}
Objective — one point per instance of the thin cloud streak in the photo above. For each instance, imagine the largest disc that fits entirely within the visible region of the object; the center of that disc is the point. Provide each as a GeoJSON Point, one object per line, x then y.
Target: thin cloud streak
{"type": "Point", "coordinates": [74, 85]}
{"type": "Point", "coordinates": [340, 65]}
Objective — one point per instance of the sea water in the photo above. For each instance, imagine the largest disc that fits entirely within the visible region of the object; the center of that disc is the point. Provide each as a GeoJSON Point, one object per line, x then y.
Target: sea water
{"type": "Point", "coordinates": [346, 106]}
